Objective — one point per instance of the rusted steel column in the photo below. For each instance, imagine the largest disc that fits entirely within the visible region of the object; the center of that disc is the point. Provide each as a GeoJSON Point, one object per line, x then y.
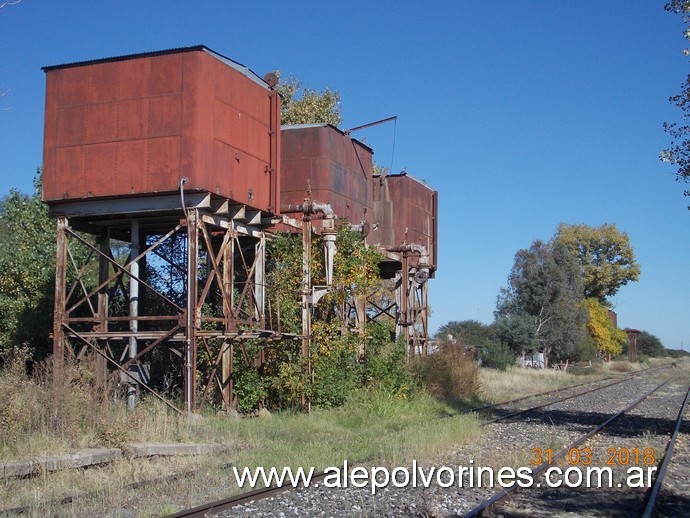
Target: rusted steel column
{"type": "Point", "coordinates": [228, 294]}
{"type": "Point", "coordinates": [226, 374]}
{"type": "Point", "coordinates": [632, 344]}
{"type": "Point", "coordinates": [425, 317]}
{"type": "Point", "coordinates": [306, 303]}
{"type": "Point", "coordinates": [260, 281]}
{"type": "Point", "coordinates": [60, 298]}
{"type": "Point", "coordinates": [191, 310]}
{"type": "Point", "coordinates": [403, 307]}
{"type": "Point", "coordinates": [133, 308]}
{"type": "Point", "coordinates": [102, 327]}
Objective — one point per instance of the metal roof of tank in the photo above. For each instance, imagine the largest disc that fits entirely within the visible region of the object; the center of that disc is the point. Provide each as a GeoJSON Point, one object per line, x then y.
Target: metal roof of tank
{"type": "Point", "coordinates": [405, 173]}
{"type": "Point", "coordinates": [325, 125]}
{"type": "Point", "coordinates": [231, 63]}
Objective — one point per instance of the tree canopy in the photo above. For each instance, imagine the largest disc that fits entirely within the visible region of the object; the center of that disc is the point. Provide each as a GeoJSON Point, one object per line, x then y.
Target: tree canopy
{"type": "Point", "coordinates": [649, 344]}
{"type": "Point", "coordinates": [27, 270]}
{"type": "Point", "coordinates": [466, 332]}
{"type": "Point", "coordinates": [545, 286]}
{"type": "Point", "coordinates": [609, 339]}
{"type": "Point", "coordinates": [605, 255]}
{"type": "Point", "coordinates": [307, 106]}
{"type": "Point", "coordinates": [678, 153]}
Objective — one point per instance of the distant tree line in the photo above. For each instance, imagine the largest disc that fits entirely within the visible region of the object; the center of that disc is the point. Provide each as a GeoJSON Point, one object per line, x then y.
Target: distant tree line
{"type": "Point", "coordinates": [556, 302]}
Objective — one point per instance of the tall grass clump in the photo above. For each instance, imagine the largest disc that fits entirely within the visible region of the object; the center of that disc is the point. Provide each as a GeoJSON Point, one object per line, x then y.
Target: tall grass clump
{"type": "Point", "coordinates": [451, 374]}
{"type": "Point", "coordinates": [45, 414]}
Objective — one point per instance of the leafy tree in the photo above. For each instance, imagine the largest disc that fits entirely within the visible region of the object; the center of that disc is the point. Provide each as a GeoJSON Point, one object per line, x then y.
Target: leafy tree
{"type": "Point", "coordinates": [545, 285]}
{"type": "Point", "coordinates": [310, 107]}
{"type": "Point", "coordinates": [649, 344]}
{"type": "Point", "coordinates": [605, 255]}
{"type": "Point", "coordinates": [496, 355]}
{"type": "Point", "coordinates": [609, 340]}
{"type": "Point", "coordinates": [466, 332]}
{"type": "Point", "coordinates": [677, 353]}
{"type": "Point", "coordinates": [519, 332]}
{"type": "Point", "coordinates": [678, 153]}
{"type": "Point", "coordinates": [472, 334]}
{"type": "Point", "coordinates": [587, 349]}
{"type": "Point", "coordinates": [27, 271]}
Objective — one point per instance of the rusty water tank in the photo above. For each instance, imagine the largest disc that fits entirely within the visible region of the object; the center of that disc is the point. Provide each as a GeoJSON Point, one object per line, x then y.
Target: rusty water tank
{"type": "Point", "coordinates": [405, 213]}
{"type": "Point", "coordinates": [135, 125]}
{"type": "Point", "coordinates": [334, 167]}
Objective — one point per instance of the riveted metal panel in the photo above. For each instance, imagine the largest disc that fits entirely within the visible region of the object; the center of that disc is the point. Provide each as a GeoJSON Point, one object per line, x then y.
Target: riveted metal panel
{"type": "Point", "coordinates": [335, 167]}
{"type": "Point", "coordinates": [405, 213]}
{"type": "Point", "coordinates": [136, 125]}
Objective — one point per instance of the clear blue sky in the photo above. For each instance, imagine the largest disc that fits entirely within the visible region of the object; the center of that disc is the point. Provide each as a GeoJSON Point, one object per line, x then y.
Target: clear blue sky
{"type": "Point", "coordinates": [521, 114]}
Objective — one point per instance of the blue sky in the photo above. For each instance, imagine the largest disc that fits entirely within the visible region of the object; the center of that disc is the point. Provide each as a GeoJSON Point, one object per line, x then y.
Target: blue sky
{"type": "Point", "coordinates": [521, 114]}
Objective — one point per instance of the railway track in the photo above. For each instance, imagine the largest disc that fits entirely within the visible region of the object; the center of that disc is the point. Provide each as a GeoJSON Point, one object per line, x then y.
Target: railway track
{"type": "Point", "coordinates": [247, 502]}
{"type": "Point", "coordinates": [574, 453]}
{"type": "Point", "coordinates": [549, 393]}
{"type": "Point", "coordinates": [668, 455]}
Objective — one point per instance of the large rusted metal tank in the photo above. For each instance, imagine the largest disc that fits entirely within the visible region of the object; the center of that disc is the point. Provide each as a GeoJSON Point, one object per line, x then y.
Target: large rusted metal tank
{"type": "Point", "coordinates": [335, 168]}
{"type": "Point", "coordinates": [405, 213]}
{"type": "Point", "coordinates": [136, 125]}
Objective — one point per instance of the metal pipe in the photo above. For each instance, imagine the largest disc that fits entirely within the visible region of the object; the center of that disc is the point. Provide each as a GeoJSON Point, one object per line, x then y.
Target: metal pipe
{"type": "Point", "coordinates": [133, 308]}
{"type": "Point", "coordinates": [309, 207]}
{"type": "Point", "coordinates": [394, 117]}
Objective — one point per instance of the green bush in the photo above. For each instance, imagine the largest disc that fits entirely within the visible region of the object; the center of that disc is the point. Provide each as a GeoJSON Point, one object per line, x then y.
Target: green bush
{"type": "Point", "coordinates": [496, 355]}
{"type": "Point", "coordinates": [384, 361]}
{"type": "Point", "coordinates": [587, 350]}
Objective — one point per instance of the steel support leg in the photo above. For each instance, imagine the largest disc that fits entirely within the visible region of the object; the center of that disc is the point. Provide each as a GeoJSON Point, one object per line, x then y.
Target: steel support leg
{"type": "Point", "coordinates": [60, 298]}
{"type": "Point", "coordinates": [191, 310]}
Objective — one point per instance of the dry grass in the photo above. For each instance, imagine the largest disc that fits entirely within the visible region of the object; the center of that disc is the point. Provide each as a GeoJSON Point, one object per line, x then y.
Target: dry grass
{"type": "Point", "coordinates": [40, 418]}
{"type": "Point", "coordinates": [450, 375]}
{"type": "Point", "coordinates": [497, 386]}
{"type": "Point", "coordinates": [374, 428]}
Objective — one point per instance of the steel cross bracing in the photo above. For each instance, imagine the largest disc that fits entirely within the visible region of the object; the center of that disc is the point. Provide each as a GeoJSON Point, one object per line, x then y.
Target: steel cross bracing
{"type": "Point", "coordinates": [170, 318]}
{"type": "Point", "coordinates": [408, 308]}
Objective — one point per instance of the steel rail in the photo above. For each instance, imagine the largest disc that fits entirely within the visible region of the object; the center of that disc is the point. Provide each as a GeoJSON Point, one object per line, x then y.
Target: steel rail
{"type": "Point", "coordinates": [204, 510]}
{"type": "Point", "coordinates": [537, 407]}
{"type": "Point", "coordinates": [556, 391]}
{"type": "Point", "coordinates": [544, 405]}
{"type": "Point", "coordinates": [651, 502]}
{"type": "Point", "coordinates": [503, 493]}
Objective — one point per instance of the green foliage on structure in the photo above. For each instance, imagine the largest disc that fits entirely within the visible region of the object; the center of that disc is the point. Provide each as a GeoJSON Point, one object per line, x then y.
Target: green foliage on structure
{"type": "Point", "coordinates": [343, 356]}
{"type": "Point", "coordinates": [307, 106]}
{"type": "Point", "coordinates": [284, 278]}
